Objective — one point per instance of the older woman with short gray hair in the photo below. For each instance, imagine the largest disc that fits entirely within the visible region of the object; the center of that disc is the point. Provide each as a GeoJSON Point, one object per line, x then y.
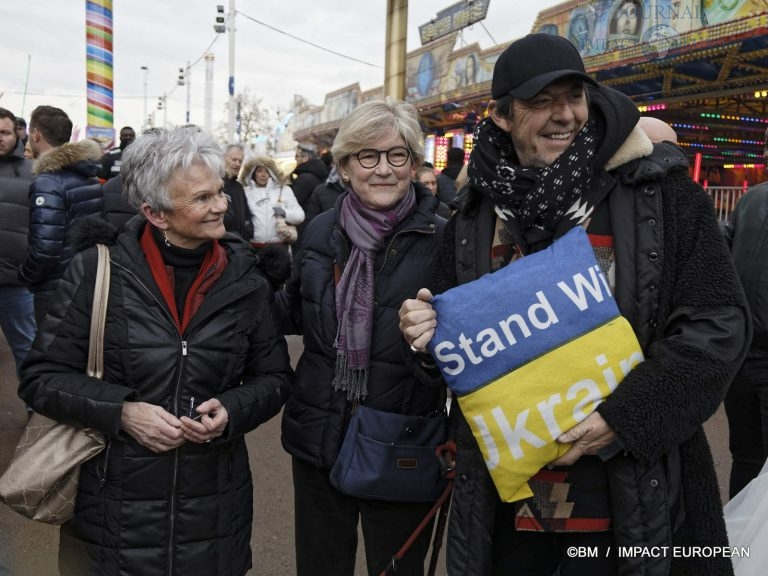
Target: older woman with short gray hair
{"type": "Point", "coordinates": [192, 363]}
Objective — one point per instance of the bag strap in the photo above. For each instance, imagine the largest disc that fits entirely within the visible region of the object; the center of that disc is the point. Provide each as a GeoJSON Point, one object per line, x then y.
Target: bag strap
{"type": "Point", "coordinates": [99, 314]}
{"type": "Point", "coordinates": [446, 453]}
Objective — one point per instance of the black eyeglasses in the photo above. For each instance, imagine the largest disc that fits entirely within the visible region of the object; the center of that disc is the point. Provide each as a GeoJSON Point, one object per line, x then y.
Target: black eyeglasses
{"type": "Point", "coordinates": [397, 156]}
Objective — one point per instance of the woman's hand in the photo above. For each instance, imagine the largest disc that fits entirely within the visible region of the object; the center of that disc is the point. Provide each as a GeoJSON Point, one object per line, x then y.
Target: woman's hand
{"type": "Point", "coordinates": [152, 426]}
{"type": "Point", "coordinates": [210, 424]}
{"type": "Point", "coordinates": [418, 320]}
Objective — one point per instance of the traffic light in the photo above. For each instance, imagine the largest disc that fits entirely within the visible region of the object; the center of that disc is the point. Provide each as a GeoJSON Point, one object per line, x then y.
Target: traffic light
{"type": "Point", "coordinates": [180, 81]}
{"type": "Point", "coordinates": [220, 27]}
{"type": "Point", "coordinates": [159, 102]}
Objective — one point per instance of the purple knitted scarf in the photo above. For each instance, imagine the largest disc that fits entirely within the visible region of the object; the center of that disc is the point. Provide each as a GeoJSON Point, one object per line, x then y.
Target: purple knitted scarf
{"type": "Point", "coordinates": [368, 230]}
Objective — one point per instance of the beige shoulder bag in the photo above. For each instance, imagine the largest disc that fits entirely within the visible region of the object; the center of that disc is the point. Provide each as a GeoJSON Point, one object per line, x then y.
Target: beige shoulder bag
{"type": "Point", "coordinates": [41, 481]}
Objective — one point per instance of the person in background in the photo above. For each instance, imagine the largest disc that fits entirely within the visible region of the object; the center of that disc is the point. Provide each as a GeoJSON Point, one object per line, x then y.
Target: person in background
{"type": "Point", "coordinates": [309, 172]}
{"type": "Point", "coordinates": [21, 130]}
{"type": "Point", "coordinates": [323, 197]}
{"type": "Point", "coordinates": [64, 190]}
{"type": "Point", "coordinates": [192, 363]}
{"type": "Point", "coordinates": [426, 176]}
{"type": "Point", "coordinates": [110, 162]}
{"type": "Point", "coordinates": [639, 471]}
{"type": "Point", "coordinates": [446, 180]}
{"type": "Point", "coordinates": [17, 310]}
{"type": "Point", "coordinates": [270, 201]}
{"type": "Point", "coordinates": [238, 218]}
{"type": "Point", "coordinates": [461, 190]}
{"type": "Point", "coordinates": [381, 235]}
{"type": "Point", "coordinates": [746, 404]}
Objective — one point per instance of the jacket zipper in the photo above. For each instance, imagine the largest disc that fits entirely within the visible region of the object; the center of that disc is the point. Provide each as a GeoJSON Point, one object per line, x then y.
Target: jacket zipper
{"type": "Point", "coordinates": [103, 472]}
{"type": "Point", "coordinates": [184, 349]}
{"type": "Point", "coordinates": [176, 460]}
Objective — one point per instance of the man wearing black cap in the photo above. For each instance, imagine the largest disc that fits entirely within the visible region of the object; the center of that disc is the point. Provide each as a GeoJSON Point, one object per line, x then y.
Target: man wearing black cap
{"type": "Point", "coordinates": [558, 150]}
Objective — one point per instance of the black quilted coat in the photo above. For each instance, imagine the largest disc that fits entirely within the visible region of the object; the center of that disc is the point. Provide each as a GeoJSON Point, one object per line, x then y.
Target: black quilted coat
{"type": "Point", "coordinates": [178, 513]}
{"type": "Point", "coordinates": [315, 417]}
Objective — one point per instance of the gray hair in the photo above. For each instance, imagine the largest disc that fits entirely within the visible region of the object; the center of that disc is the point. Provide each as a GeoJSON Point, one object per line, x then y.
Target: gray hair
{"type": "Point", "coordinates": [308, 149]}
{"type": "Point", "coordinates": [234, 147]}
{"type": "Point", "coordinates": [149, 164]}
{"type": "Point", "coordinates": [374, 120]}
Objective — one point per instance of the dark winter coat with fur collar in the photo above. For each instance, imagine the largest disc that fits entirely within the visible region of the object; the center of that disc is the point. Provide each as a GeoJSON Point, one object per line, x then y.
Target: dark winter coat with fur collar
{"type": "Point", "coordinates": [187, 511]}
{"type": "Point", "coordinates": [676, 286]}
{"type": "Point", "coordinates": [65, 189]}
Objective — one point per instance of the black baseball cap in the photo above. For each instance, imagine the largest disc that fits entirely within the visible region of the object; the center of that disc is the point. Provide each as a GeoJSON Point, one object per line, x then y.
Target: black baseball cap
{"type": "Point", "coordinates": [530, 64]}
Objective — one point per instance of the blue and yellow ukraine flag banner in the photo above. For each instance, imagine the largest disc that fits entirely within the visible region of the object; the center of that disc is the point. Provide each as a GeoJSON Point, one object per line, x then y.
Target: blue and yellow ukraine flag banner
{"type": "Point", "coordinates": [529, 352]}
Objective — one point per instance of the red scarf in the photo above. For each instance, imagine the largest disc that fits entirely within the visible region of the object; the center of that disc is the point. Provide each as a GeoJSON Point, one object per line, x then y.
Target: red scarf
{"type": "Point", "coordinates": [212, 267]}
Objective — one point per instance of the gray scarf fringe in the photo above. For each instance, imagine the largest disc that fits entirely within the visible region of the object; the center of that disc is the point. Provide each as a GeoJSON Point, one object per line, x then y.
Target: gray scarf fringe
{"type": "Point", "coordinates": [353, 382]}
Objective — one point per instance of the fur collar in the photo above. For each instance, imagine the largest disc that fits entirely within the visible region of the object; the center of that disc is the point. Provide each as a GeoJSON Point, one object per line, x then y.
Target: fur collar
{"type": "Point", "coordinates": [637, 145]}
{"type": "Point", "coordinates": [246, 172]}
{"type": "Point", "coordinates": [67, 154]}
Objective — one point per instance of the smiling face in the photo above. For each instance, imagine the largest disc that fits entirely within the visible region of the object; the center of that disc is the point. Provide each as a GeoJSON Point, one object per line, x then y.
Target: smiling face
{"type": "Point", "coordinates": [381, 187]}
{"type": "Point", "coordinates": [199, 207]}
{"type": "Point", "coordinates": [543, 127]}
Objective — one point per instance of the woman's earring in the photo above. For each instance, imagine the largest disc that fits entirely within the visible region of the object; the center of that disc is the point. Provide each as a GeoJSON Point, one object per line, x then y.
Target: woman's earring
{"type": "Point", "coordinates": [165, 239]}
{"type": "Point", "coordinates": [345, 178]}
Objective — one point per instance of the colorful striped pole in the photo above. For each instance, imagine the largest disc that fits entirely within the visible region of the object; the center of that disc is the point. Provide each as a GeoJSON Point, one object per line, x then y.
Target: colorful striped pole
{"type": "Point", "coordinates": [98, 46]}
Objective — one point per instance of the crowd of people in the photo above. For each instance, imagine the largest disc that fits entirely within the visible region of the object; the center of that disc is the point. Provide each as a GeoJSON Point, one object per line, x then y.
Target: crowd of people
{"type": "Point", "coordinates": [216, 255]}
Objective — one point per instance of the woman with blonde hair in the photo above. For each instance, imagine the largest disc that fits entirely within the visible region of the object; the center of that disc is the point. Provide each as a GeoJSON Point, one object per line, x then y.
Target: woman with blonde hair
{"type": "Point", "coordinates": [359, 261]}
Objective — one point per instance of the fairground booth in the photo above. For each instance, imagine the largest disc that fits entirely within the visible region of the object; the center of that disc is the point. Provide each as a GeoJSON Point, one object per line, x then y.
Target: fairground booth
{"type": "Point", "coordinates": [699, 65]}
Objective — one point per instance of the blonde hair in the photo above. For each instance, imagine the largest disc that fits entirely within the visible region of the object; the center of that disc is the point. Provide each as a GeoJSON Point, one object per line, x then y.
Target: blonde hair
{"type": "Point", "coordinates": [374, 120]}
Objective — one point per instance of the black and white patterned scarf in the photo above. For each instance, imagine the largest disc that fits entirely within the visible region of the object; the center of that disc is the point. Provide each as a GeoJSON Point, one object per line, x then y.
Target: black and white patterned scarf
{"type": "Point", "coordinates": [537, 205]}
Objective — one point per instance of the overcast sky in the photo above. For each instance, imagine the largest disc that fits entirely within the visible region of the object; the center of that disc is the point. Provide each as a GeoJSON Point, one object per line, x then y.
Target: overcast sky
{"type": "Point", "coordinates": [47, 39]}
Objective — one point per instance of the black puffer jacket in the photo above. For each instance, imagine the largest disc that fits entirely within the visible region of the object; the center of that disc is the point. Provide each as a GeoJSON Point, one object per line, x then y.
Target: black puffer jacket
{"type": "Point", "coordinates": [238, 218]}
{"type": "Point", "coordinates": [15, 176]}
{"type": "Point", "coordinates": [676, 286]}
{"type": "Point", "coordinates": [305, 178]}
{"type": "Point", "coordinates": [64, 190]}
{"type": "Point", "coordinates": [316, 415]}
{"type": "Point", "coordinates": [186, 511]}
{"type": "Point", "coordinates": [323, 198]}
{"type": "Point", "coordinates": [116, 209]}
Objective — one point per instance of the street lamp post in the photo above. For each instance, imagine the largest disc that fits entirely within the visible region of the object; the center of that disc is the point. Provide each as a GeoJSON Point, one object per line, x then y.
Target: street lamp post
{"type": "Point", "coordinates": [144, 122]}
{"type": "Point", "coordinates": [231, 123]}
{"type": "Point", "coordinates": [220, 27]}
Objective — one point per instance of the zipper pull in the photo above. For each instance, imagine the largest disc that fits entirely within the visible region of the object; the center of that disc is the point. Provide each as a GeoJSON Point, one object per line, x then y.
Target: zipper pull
{"type": "Point", "coordinates": [183, 347]}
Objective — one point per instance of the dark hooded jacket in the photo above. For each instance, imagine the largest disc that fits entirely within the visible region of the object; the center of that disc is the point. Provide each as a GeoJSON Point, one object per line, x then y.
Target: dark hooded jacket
{"type": "Point", "coordinates": [316, 416]}
{"type": "Point", "coordinates": [15, 177]}
{"type": "Point", "coordinates": [189, 510]}
{"type": "Point", "coordinates": [64, 190]}
{"type": "Point", "coordinates": [676, 286]}
{"type": "Point", "coordinates": [238, 218]}
{"type": "Point", "coordinates": [305, 178]}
